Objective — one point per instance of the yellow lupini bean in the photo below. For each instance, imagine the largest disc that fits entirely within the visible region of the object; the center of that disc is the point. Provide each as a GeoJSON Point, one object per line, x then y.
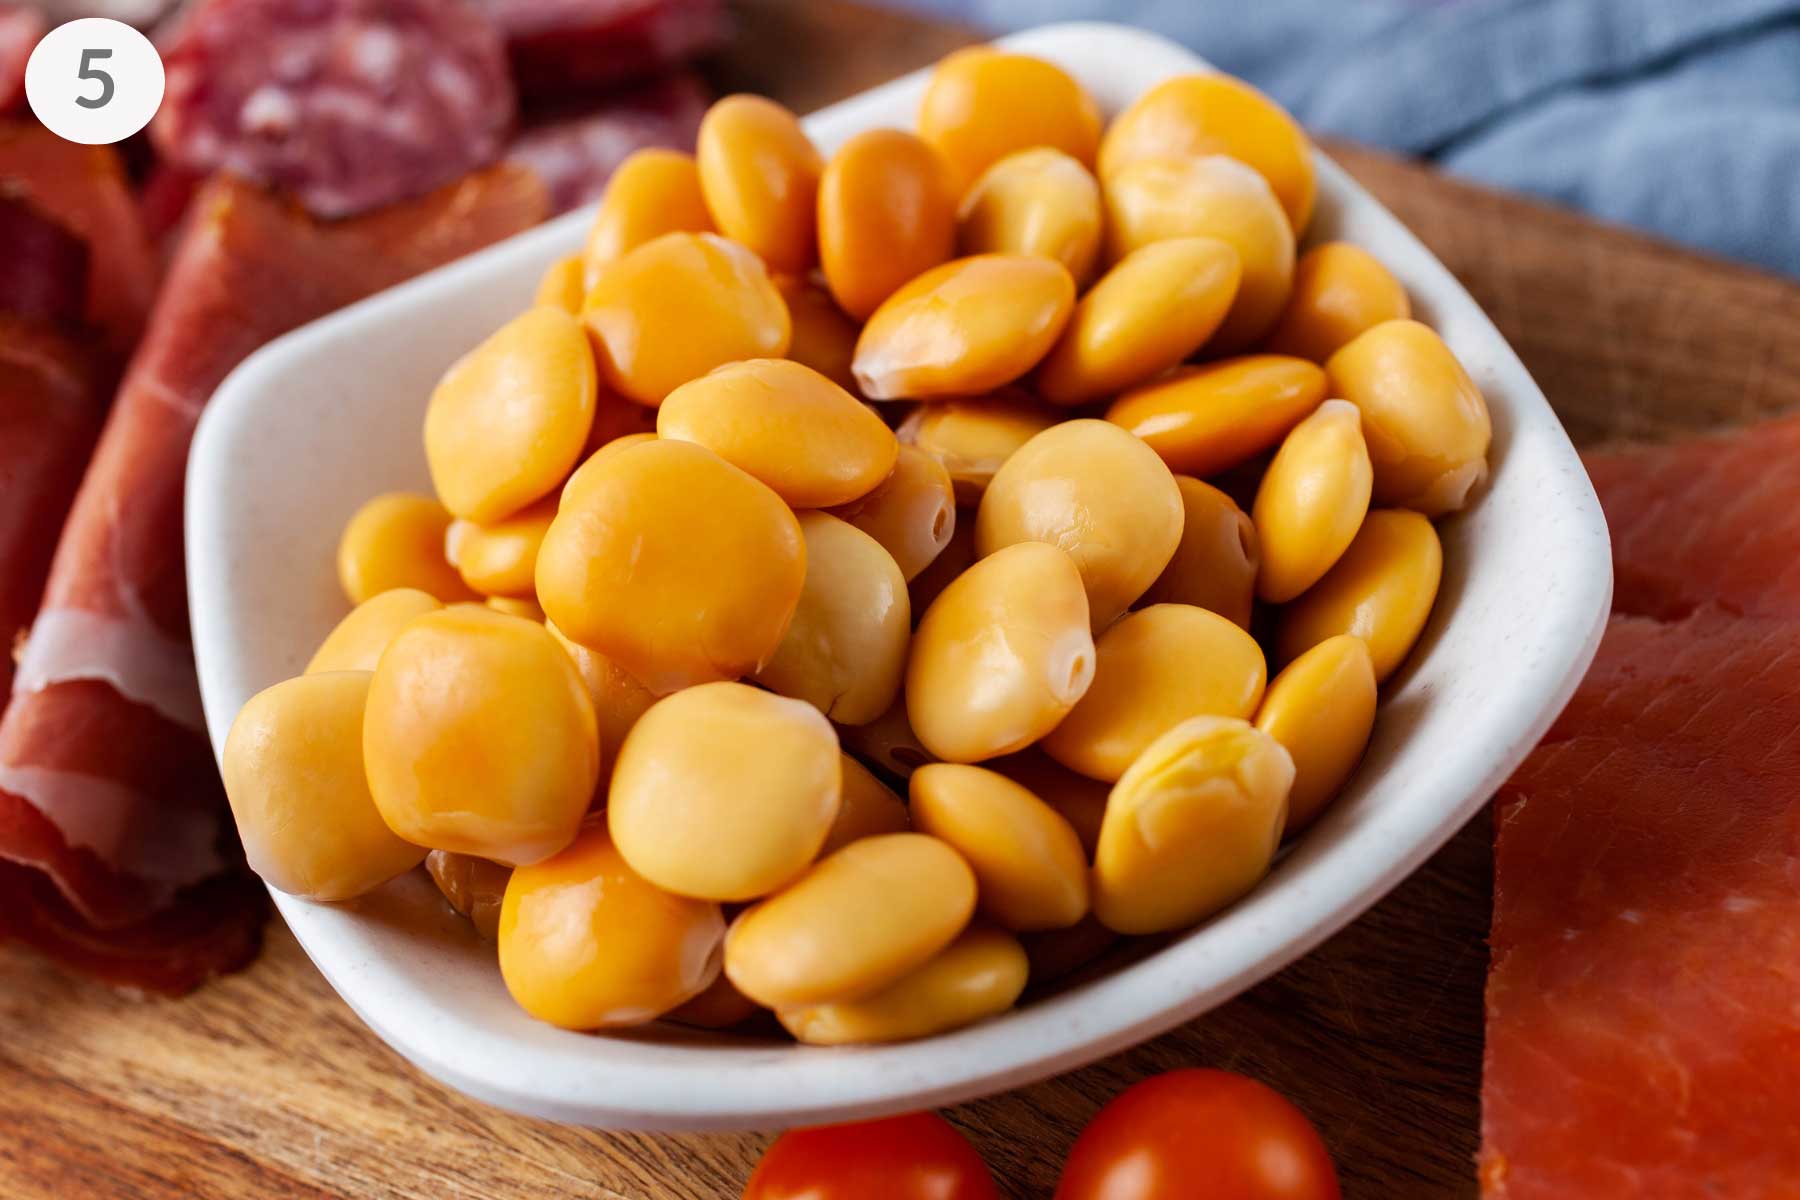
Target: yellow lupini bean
{"type": "Point", "coordinates": [912, 513]}
{"type": "Point", "coordinates": [888, 741]}
{"type": "Point", "coordinates": [501, 559]}
{"type": "Point", "coordinates": [673, 563]}
{"type": "Point", "coordinates": [472, 886]}
{"type": "Point", "coordinates": [564, 285]}
{"type": "Point", "coordinates": [394, 541]}
{"type": "Point", "coordinates": [479, 737]}
{"type": "Point", "coordinates": [653, 192]}
{"type": "Point", "coordinates": [1203, 420]}
{"type": "Point", "coordinates": [619, 700]}
{"type": "Point", "coordinates": [1099, 493]}
{"type": "Point", "coordinates": [963, 328]}
{"type": "Point", "coordinates": [1151, 199]}
{"type": "Point", "coordinates": [952, 561]}
{"type": "Point", "coordinates": [1216, 114]}
{"type": "Point", "coordinates": [358, 640]}
{"type": "Point", "coordinates": [1192, 826]}
{"type": "Point", "coordinates": [972, 437]}
{"type": "Point", "coordinates": [510, 418]}
{"type": "Point", "coordinates": [1001, 656]}
{"type": "Point", "coordinates": [1030, 869]}
{"type": "Point", "coordinates": [1381, 591]}
{"type": "Point", "coordinates": [1322, 710]}
{"type": "Point", "coordinates": [678, 306]}
{"type": "Point", "coordinates": [845, 649]}
{"type": "Point", "coordinates": [724, 791]}
{"type": "Point", "coordinates": [854, 924]}
{"type": "Point", "coordinates": [760, 175]}
{"type": "Point", "coordinates": [1426, 423]}
{"type": "Point", "coordinates": [588, 943]}
{"type": "Point", "coordinates": [1340, 290]}
{"type": "Point", "coordinates": [823, 338]}
{"type": "Point", "coordinates": [1038, 201]}
{"type": "Point", "coordinates": [589, 471]}
{"type": "Point", "coordinates": [293, 771]}
{"type": "Point", "coordinates": [1079, 800]}
{"type": "Point", "coordinates": [869, 808]}
{"type": "Point", "coordinates": [807, 438]}
{"type": "Point", "coordinates": [983, 104]}
{"type": "Point", "coordinates": [1156, 668]}
{"type": "Point", "coordinates": [1154, 309]}
{"type": "Point", "coordinates": [1216, 563]}
{"type": "Point", "coordinates": [978, 975]}
{"type": "Point", "coordinates": [517, 606]}
{"type": "Point", "coordinates": [886, 215]}
{"type": "Point", "coordinates": [1312, 501]}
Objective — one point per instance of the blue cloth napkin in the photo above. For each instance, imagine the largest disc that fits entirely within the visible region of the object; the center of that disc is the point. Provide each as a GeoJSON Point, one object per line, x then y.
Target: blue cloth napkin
{"type": "Point", "coordinates": [1680, 117]}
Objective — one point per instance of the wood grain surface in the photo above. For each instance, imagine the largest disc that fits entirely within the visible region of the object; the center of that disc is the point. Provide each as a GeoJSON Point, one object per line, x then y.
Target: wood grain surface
{"type": "Point", "coordinates": [264, 1085]}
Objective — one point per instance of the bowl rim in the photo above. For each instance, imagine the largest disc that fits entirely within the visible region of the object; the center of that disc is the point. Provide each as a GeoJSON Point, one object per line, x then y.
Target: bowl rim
{"type": "Point", "coordinates": [639, 1084]}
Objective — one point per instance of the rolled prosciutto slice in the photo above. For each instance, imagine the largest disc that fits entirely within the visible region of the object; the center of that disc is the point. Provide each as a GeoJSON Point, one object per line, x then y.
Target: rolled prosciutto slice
{"type": "Point", "coordinates": [107, 784]}
{"type": "Point", "coordinates": [346, 104]}
{"type": "Point", "coordinates": [561, 45]}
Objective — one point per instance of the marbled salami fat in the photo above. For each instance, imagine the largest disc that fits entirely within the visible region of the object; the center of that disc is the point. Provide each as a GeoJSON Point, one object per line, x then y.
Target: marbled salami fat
{"type": "Point", "coordinates": [348, 105]}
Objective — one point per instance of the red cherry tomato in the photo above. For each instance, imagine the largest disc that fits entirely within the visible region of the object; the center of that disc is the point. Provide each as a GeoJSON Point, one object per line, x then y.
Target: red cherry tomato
{"type": "Point", "coordinates": [915, 1157]}
{"type": "Point", "coordinates": [1199, 1133]}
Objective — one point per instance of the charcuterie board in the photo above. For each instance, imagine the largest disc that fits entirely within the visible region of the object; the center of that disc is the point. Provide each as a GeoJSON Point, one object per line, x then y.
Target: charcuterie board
{"type": "Point", "coordinates": [264, 1084]}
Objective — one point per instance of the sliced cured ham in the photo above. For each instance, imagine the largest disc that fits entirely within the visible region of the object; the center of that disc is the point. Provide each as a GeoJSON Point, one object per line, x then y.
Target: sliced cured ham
{"type": "Point", "coordinates": [575, 149]}
{"type": "Point", "coordinates": [348, 105]}
{"type": "Point", "coordinates": [21, 26]}
{"type": "Point", "coordinates": [86, 189]}
{"type": "Point", "coordinates": [106, 779]}
{"type": "Point", "coordinates": [561, 45]}
{"type": "Point", "coordinates": [1643, 1030]}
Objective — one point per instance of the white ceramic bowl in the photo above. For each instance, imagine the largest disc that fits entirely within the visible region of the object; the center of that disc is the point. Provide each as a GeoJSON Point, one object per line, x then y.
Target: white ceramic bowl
{"type": "Point", "coordinates": [317, 422]}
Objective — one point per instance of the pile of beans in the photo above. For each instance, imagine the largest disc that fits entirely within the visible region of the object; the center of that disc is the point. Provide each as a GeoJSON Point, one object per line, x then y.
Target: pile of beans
{"type": "Point", "coordinates": [993, 462]}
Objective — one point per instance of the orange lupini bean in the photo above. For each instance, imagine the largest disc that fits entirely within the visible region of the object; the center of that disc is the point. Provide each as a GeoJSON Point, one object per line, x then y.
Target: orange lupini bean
{"type": "Point", "coordinates": [1157, 306]}
{"type": "Point", "coordinates": [1312, 500]}
{"type": "Point", "coordinates": [760, 173]}
{"type": "Point", "coordinates": [619, 700]}
{"type": "Point", "coordinates": [653, 192]}
{"type": "Point", "coordinates": [1216, 114]}
{"type": "Point", "coordinates": [358, 640]}
{"type": "Point", "coordinates": [678, 306]}
{"type": "Point", "coordinates": [563, 285]}
{"type": "Point", "coordinates": [1216, 563]}
{"type": "Point", "coordinates": [963, 328]}
{"type": "Point", "coordinates": [1038, 201]}
{"type": "Point", "coordinates": [886, 215]}
{"type": "Point", "coordinates": [1203, 420]}
{"type": "Point", "coordinates": [868, 808]}
{"type": "Point", "coordinates": [912, 513]}
{"type": "Point", "coordinates": [1210, 196]}
{"type": "Point", "coordinates": [1339, 291]}
{"type": "Point", "coordinates": [982, 104]}
{"type": "Point", "coordinates": [956, 556]}
{"type": "Point", "coordinates": [973, 437]}
{"type": "Point", "coordinates": [1322, 709]}
{"type": "Point", "coordinates": [823, 338]}
{"type": "Point", "coordinates": [472, 886]}
{"type": "Point", "coordinates": [396, 540]}
{"type": "Point", "coordinates": [511, 417]}
{"type": "Point", "coordinates": [675, 564]}
{"type": "Point", "coordinates": [788, 425]}
{"type": "Point", "coordinates": [501, 559]}
{"type": "Point", "coordinates": [1382, 590]}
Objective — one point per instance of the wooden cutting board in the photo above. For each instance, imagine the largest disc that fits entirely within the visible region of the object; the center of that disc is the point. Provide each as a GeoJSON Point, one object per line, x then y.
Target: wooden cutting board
{"type": "Point", "coordinates": [265, 1085]}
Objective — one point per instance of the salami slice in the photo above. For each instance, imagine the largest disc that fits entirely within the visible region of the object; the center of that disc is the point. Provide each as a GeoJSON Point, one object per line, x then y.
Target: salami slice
{"type": "Point", "coordinates": [106, 779]}
{"type": "Point", "coordinates": [349, 105]}
{"type": "Point", "coordinates": [87, 190]}
{"type": "Point", "coordinates": [574, 150]}
{"type": "Point", "coordinates": [561, 45]}
{"type": "Point", "coordinates": [20, 28]}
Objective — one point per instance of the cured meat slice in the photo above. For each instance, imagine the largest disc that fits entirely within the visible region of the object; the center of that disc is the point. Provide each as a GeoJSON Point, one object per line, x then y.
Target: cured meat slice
{"type": "Point", "coordinates": [348, 105]}
{"type": "Point", "coordinates": [561, 45]}
{"type": "Point", "coordinates": [575, 150]}
{"type": "Point", "coordinates": [1710, 519]}
{"type": "Point", "coordinates": [21, 26]}
{"type": "Point", "coordinates": [86, 188]}
{"type": "Point", "coordinates": [43, 267]}
{"type": "Point", "coordinates": [106, 779]}
{"type": "Point", "coordinates": [1643, 1036]}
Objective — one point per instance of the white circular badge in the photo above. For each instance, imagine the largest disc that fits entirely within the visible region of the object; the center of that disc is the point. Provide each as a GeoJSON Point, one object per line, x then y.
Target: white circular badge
{"type": "Point", "coordinates": [94, 81]}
